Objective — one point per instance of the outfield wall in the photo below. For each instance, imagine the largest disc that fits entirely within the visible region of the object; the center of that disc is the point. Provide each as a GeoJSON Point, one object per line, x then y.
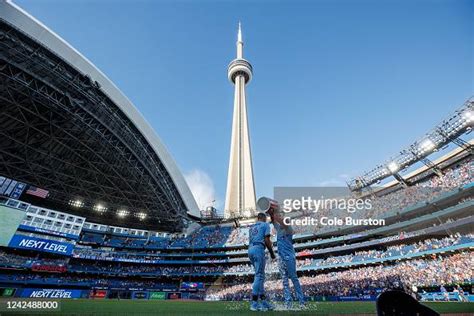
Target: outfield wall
{"type": "Point", "coordinates": [176, 295]}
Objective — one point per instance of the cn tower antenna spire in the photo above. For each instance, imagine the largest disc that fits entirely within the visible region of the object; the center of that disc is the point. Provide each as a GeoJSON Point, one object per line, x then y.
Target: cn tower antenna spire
{"type": "Point", "coordinates": [240, 43]}
{"type": "Point", "coordinates": [239, 34]}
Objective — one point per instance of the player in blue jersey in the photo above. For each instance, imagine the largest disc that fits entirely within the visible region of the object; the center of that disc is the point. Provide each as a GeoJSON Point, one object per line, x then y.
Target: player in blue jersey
{"type": "Point", "coordinates": [259, 238]}
{"type": "Point", "coordinates": [287, 258]}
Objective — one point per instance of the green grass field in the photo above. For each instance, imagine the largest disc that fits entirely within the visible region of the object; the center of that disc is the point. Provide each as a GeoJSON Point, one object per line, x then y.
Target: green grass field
{"type": "Point", "coordinates": [135, 307]}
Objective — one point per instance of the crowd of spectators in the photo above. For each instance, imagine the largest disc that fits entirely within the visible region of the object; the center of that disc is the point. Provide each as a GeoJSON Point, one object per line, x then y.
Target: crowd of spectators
{"type": "Point", "coordinates": [10, 259]}
{"type": "Point", "coordinates": [426, 272]}
{"type": "Point", "coordinates": [434, 271]}
{"type": "Point", "coordinates": [92, 281]}
{"type": "Point", "coordinates": [361, 257]}
{"type": "Point", "coordinates": [17, 260]}
{"type": "Point", "coordinates": [305, 260]}
{"type": "Point", "coordinates": [239, 236]}
{"type": "Point", "coordinates": [401, 249]}
{"type": "Point", "coordinates": [103, 255]}
{"type": "Point", "coordinates": [427, 190]}
{"type": "Point", "coordinates": [154, 270]}
{"type": "Point", "coordinates": [207, 236]}
{"type": "Point", "coordinates": [150, 256]}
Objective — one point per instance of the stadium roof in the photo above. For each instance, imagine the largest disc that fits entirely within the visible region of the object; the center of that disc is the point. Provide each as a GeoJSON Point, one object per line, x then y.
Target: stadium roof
{"type": "Point", "coordinates": [448, 131]}
{"type": "Point", "coordinates": [66, 128]}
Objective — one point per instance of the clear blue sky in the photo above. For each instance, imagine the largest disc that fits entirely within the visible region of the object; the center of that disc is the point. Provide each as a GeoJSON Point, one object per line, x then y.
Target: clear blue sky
{"type": "Point", "coordinates": [339, 86]}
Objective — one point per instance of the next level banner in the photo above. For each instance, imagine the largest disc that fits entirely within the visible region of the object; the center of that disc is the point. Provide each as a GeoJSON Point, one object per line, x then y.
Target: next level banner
{"type": "Point", "coordinates": [49, 293]}
{"type": "Point", "coordinates": [40, 244]}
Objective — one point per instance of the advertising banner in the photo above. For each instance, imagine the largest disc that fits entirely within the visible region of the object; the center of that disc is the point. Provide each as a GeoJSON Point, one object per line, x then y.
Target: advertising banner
{"type": "Point", "coordinates": [446, 296]}
{"type": "Point", "coordinates": [38, 267]}
{"type": "Point", "coordinates": [358, 298]}
{"type": "Point", "coordinates": [49, 293]}
{"type": "Point", "coordinates": [98, 294]}
{"type": "Point", "coordinates": [174, 295]}
{"type": "Point", "coordinates": [40, 244]}
{"type": "Point", "coordinates": [139, 295]}
{"type": "Point", "coordinates": [157, 296]}
{"type": "Point", "coordinates": [192, 286]}
{"type": "Point", "coordinates": [7, 291]}
{"type": "Point", "coordinates": [342, 298]}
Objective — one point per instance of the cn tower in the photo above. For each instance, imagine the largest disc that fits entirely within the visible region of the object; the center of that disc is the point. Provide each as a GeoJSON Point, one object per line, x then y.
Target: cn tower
{"type": "Point", "coordinates": [240, 195]}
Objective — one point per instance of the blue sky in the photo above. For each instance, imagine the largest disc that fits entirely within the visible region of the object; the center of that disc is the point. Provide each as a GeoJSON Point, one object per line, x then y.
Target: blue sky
{"type": "Point", "coordinates": [339, 86]}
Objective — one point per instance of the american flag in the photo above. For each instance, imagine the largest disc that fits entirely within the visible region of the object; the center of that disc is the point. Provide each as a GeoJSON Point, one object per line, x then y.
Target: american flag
{"type": "Point", "coordinates": [37, 192]}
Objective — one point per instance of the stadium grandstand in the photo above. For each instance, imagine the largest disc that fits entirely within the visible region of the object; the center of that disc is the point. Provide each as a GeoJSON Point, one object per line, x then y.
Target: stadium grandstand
{"type": "Point", "coordinates": [93, 206]}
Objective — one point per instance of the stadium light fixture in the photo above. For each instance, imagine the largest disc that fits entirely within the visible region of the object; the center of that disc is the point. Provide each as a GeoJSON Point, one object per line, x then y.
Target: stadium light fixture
{"type": "Point", "coordinates": [427, 145]}
{"type": "Point", "coordinates": [122, 213]}
{"type": "Point", "coordinates": [468, 116]}
{"type": "Point", "coordinates": [141, 215]}
{"type": "Point", "coordinates": [100, 208]}
{"type": "Point", "coordinates": [393, 167]}
{"type": "Point", "coordinates": [76, 203]}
